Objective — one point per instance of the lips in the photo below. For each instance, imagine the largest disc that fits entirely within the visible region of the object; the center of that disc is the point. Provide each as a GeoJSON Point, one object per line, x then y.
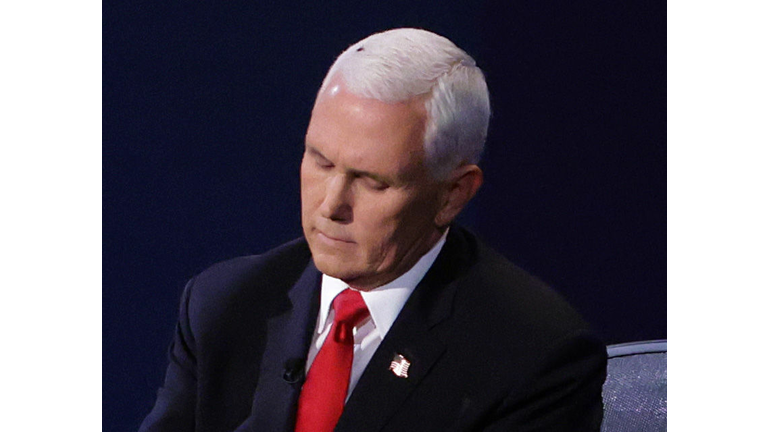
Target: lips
{"type": "Point", "coordinates": [332, 238]}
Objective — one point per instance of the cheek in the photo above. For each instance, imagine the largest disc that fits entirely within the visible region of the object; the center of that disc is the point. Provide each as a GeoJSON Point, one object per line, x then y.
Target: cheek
{"type": "Point", "coordinates": [311, 188]}
{"type": "Point", "coordinates": [383, 223]}
{"type": "Point", "coordinates": [415, 220]}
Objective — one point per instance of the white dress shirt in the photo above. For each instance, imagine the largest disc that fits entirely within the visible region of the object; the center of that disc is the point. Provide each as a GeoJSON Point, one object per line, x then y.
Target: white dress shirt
{"type": "Point", "coordinates": [384, 304]}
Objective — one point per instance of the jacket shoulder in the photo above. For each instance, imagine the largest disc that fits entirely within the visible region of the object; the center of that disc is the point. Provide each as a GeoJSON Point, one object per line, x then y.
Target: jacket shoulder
{"type": "Point", "coordinates": [229, 287]}
{"type": "Point", "coordinates": [269, 265]}
{"type": "Point", "coordinates": [516, 307]}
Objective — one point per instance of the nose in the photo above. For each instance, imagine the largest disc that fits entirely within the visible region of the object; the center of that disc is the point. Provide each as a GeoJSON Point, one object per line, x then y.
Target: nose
{"type": "Point", "coordinates": [337, 205]}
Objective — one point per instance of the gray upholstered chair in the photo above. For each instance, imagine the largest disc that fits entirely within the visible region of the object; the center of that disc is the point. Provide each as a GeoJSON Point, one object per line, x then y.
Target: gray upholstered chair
{"type": "Point", "coordinates": [635, 392]}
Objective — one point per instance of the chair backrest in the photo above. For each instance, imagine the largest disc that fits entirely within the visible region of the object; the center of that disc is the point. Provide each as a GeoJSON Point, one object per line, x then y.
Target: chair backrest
{"type": "Point", "coordinates": [635, 391]}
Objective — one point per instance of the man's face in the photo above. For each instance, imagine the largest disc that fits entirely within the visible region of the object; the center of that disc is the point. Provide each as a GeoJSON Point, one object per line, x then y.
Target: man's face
{"type": "Point", "coordinates": [368, 201]}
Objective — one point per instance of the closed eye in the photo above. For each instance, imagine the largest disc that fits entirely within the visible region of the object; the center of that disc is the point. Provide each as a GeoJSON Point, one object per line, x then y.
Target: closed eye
{"type": "Point", "coordinates": [319, 159]}
{"type": "Point", "coordinates": [374, 184]}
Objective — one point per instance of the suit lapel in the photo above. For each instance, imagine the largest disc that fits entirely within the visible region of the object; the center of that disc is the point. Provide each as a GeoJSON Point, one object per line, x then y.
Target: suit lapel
{"type": "Point", "coordinates": [289, 333]}
{"type": "Point", "coordinates": [415, 335]}
{"type": "Point", "coordinates": [379, 393]}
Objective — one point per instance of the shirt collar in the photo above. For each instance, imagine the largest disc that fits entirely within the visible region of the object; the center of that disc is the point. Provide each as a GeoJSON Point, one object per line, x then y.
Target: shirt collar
{"type": "Point", "coordinates": [384, 302]}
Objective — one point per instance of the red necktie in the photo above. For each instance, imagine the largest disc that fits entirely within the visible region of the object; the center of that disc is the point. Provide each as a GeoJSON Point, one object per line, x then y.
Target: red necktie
{"type": "Point", "coordinates": [322, 396]}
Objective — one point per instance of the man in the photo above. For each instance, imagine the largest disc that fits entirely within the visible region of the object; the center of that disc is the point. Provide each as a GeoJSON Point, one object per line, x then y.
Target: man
{"type": "Point", "coordinates": [385, 316]}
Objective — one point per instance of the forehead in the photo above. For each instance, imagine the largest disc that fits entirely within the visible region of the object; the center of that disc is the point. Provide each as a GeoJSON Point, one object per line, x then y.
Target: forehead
{"type": "Point", "coordinates": [366, 134]}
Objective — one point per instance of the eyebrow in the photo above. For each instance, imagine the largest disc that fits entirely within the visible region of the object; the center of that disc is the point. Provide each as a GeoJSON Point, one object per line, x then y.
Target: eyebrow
{"type": "Point", "coordinates": [377, 177]}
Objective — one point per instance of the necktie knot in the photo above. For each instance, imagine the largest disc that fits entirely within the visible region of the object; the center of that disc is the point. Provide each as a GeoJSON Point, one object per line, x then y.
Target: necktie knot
{"type": "Point", "coordinates": [349, 307]}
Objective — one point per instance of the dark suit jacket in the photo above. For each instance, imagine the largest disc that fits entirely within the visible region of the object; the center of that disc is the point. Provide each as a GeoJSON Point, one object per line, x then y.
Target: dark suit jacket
{"type": "Point", "coordinates": [491, 348]}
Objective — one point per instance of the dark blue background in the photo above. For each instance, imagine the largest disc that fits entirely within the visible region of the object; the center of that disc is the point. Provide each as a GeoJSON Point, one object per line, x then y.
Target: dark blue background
{"type": "Point", "coordinates": [205, 105]}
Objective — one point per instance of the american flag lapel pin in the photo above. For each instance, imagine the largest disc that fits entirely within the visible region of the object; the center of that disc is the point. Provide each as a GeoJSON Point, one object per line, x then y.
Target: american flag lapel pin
{"type": "Point", "coordinates": [399, 366]}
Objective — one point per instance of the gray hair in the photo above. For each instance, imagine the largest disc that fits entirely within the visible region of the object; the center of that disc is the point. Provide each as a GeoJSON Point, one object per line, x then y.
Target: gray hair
{"type": "Point", "coordinates": [400, 64]}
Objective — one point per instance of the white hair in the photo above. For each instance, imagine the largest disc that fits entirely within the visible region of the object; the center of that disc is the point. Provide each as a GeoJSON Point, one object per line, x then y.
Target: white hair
{"type": "Point", "coordinates": [398, 65]}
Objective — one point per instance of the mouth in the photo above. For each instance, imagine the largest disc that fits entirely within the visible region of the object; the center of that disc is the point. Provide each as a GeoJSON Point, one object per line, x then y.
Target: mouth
{"type": "Point", "coordinates": [331, 239]}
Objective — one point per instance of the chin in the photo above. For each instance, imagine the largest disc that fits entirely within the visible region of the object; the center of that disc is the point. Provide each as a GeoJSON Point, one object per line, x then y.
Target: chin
{"type": "Point", "coordinates": [334, 267]}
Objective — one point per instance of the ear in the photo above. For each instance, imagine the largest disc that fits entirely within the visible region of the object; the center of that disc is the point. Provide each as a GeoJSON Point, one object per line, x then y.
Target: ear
{"type": "Point", "coordinates": [460, 187]}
